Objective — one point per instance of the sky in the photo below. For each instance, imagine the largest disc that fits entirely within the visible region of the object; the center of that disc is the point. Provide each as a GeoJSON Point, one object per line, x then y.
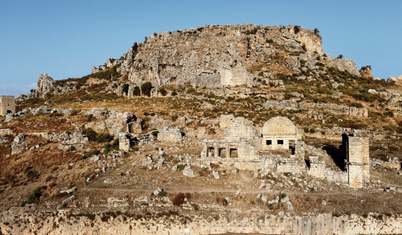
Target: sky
{"type": "Point", "coordinates": [66, 38]}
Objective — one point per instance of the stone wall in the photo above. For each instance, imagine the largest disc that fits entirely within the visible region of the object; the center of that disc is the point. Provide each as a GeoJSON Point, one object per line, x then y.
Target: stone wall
{"type": "Point", "coordinates": [240, 128]}
{"type": "Point", "coordinates": [170, 135]}
{"type": "Point", "coordinates": [18, 221]}
{"type": "Point", "coordinates": [234, 77]}
{"type": "Point", "coordinates": [357, 157]}
{"type": "Point", "coordinates": [317, 168]}
{"type": "Point", "coordinates": [7, 105]}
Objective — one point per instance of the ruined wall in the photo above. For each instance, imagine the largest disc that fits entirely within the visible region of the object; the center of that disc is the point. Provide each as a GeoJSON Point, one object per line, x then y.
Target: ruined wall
{"type": "Point", "coordinates": [317, 168]}
{"type": "Point", "coordinates": [234, 77]}
{"type": "Point", "coordinates": [170, 135]}
{"type": "Point", "coordinates": [288, 165]}
{"type": "Point", "coordinates": [16, 222]}
{"type": "Point", "coordinates": [7, 105]}
{"type": "Point", "coordinates": [124, 141]}
{"type": "Point", "coordinates": [357, 156]}
{"type": "Point", "coordinates": [240, 128]}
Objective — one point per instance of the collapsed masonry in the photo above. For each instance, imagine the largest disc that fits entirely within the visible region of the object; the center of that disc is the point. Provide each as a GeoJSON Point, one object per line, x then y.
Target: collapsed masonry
{"type": "Point", "coordinates": [7, 105]}
{"type": "Point", "coordinates": [245, 149]}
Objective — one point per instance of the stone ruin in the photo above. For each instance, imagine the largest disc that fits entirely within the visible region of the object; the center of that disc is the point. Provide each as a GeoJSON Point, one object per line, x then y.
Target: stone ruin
{"type": "Point", "coordinates": [243, 147]}
{"type": "Point", "coordinates": [7, 105]}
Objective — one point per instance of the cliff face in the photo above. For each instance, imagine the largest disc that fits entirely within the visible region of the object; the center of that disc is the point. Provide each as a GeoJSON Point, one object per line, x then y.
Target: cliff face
{"type": "Point", "coordinates": [66, 222]}
{"type": "Point", "coordinates": [215, 55]}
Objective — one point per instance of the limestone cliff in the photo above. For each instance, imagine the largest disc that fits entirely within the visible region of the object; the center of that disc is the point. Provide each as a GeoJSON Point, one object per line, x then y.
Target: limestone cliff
{"type": "Point", "coordinates": [223, 55]}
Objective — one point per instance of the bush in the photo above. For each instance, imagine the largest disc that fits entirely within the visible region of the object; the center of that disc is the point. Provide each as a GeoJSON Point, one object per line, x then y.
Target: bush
{"type": "Point", "coordinates": [91, 153]}
{"type": "Point", "coordinates": [178, 200]}
{"type": "Point", "coordinates": [104, 137]}
{"type": "Point", "coordinates": [357, 105]}
{"type": "Point", "coordinates": [174, 93]}
{"type": "Point", "coordinates": [31, 173]}
{"type": "Point", "coordinates": [195, 206]}
{"type": "Point", "coordinates": [110, 147]}
{"type": "Point", "coordinates": [155, 133]}
{"type": "Point", "coordinates": [312, 130]}
{"type": "Point", "coordinates": [270, 41]}
{"type": "Point", "coordinates": [90, 133]}
{"type": "Point", "coordinates": [91, 118]}
{"type": "Point", "coordinates": [136, 91]}
{"type": "Point", "coordinates": [163, 92]}
{"type": "Point", "coordinates": [389, 114]}
{"type": "Point", "coordinates": [34, 196]}
{"type": "Point", "coordinates": [146, 89]}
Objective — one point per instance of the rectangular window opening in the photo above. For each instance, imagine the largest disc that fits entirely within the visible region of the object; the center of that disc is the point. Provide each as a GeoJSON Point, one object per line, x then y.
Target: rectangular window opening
{"type": "Point", "coordinates": [280, 142]}
{"type": "Point", "coordinates": [268, 142]}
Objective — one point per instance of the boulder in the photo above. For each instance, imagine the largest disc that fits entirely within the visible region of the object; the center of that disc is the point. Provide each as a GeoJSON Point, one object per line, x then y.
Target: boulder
{"type": "Point", "coordinates": [188, 171]}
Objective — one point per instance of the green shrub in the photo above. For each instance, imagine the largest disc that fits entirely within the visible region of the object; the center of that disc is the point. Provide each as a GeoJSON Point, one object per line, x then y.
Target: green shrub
{"type": "Point", "coordinates": [270, 41]}
{"type": "Point", "coordinates": [306, 129]}
{"type": "Point", "coordinates": [283, 195]}
{"type": "Point", "coordinates": [163, 92]}
{"type": "Point", "coordinates": [155, 133]}
{"type": "Point", "coordinates": [136, 91]}
{"type": "Point", "coordinates": [181, 167]}
{"type": "Point", "coordinates": [34, 196]}
{"type": "Point", "coordinates": [357, 105]}
{"type": "Point", "coordinates": [72, 148]}
{"type": "Point", "coordinates": [110, 147]}
{"type": "Point", "coordinates": [195, 206]}
{"type": "Point", "coordinates": [104, 137]}
{"type": "Point", "coordinates": [90, 133]}
{"type": "Point", "coordinates": [146, 89]}
{"type": "Point", "coordinates": [91, 118]}
{"type": "Point", "coordinates": [312, 130]}
{"type": "Point", "coordinates": [31, 173]}
{"type": "Point", "coordinates": [91, 153]}
{"type": "Point", "coordinates": [389, 114]}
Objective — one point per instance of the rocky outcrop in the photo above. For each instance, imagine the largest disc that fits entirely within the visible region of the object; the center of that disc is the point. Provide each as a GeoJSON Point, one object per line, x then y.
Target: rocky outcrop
{"type": "Point", "coordinates": [342, 65]}
{"type": "Point", "coordinates": [45, 85]}
{"type": "Point", "coordinates": [397, 80]}
{"type": "Point", "coordinates": [333, 108]}
{"type": "Point", "coordinates": [18, 145]}
{"type": "Point", "coordinates": [366, 72]}
{"type": "Point", "coordinates": [210, 56]}
{"type": "Point", "coordinates": [115, 121]}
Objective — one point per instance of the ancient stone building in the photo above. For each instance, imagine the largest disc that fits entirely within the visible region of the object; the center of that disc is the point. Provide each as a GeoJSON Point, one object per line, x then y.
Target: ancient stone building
{"type": "Point", "coordinates": [278, 133]}
{"type": "Point", "coordinates": [357, 159]}
{"type": "Point", "coordinates": [7, 105]}
{"type": "Point", "coordinates": [236, 138]}
{"type": "Point", "coordinates": [244, 148]}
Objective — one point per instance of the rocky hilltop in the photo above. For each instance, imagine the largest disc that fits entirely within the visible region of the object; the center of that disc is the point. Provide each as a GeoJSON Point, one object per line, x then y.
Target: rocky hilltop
{"type": "Point", "coordinates": [214, 130]}
{"type": "Point", "coordinates": [226, 55]}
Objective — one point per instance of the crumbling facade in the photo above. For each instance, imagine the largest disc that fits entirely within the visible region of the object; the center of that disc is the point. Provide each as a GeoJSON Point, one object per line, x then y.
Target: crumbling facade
{"type": "Point", "coordinates": [243, 147]}
{"type": "Point", "coordinates": [277, 133]}
{"type": "Point", "coordinates": [357, 159]}
{"type": "Point", "coordinates": [7, 105]}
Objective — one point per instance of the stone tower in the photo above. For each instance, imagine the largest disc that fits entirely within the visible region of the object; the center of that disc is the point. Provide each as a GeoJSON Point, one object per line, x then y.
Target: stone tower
{"type": "Point", "coordinates": [7, 105]}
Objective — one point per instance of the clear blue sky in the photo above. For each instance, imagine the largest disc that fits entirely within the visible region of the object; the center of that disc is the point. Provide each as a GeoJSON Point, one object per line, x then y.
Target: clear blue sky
{"type": "Point", "coordinates": [66, 38]}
